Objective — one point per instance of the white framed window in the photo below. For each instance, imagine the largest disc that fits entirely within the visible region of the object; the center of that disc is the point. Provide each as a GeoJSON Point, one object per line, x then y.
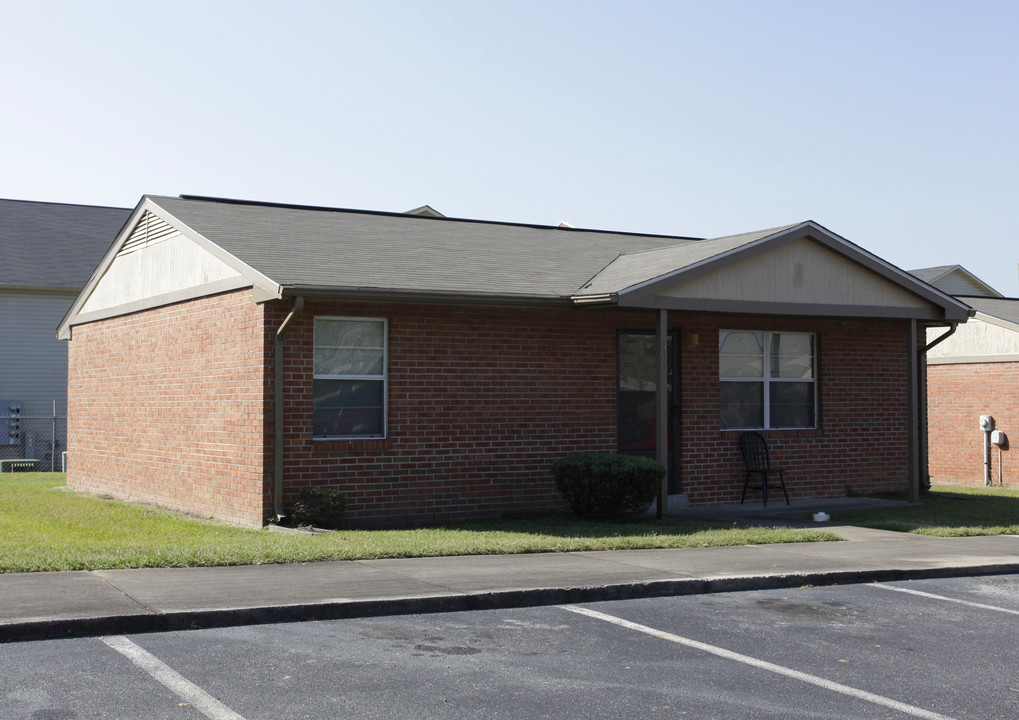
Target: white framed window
{"type": "Point", "coordinates": [350, 371]}
{"type": "Point", "coordinates": [767, 380]}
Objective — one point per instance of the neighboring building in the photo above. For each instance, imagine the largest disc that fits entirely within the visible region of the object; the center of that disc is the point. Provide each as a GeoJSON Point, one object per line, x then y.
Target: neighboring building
{"type": "Point", "coordinates": [974, 373]}
{"type": "Point", "coordinates": [226, 354]}
{"type": "Point", "coordinates": [955, 280]}
{"type": "Point", "coordinates": [47, 253]}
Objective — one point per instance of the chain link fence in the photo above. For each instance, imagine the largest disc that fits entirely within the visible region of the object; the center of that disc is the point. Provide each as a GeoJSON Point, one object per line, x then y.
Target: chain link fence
{"type": "Point", "coordinates": [40, 440]}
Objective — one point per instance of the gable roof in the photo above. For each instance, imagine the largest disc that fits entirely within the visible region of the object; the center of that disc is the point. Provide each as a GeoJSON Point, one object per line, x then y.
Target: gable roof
{"type": "Point", "coordinates": [288, 250]}
{"type": "Point", "coordinates": [53, 245]}
{"type": "Point", "coordinates": [301, 249]}
{"type": "Point", "coordinates": [955, 279]}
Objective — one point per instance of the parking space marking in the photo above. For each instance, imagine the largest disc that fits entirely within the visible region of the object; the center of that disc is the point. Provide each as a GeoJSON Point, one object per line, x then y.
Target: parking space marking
{"type": "Point", "coordinates": [200, 700]}
{"type": "Point", "coordinates": [921, 593]}
{"type": "Point", "coordinates": [762, 664]}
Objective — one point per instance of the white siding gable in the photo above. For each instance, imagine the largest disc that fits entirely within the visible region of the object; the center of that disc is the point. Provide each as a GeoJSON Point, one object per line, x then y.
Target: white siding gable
{"type": "Point", "coordinates": [801, 272]}
{"type": "Point", "coordinates": [157, 261]}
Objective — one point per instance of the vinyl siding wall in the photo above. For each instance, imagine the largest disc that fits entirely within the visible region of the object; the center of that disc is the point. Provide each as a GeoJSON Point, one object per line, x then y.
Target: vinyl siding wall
{"type": "Point", "coordinates": [33, 363]}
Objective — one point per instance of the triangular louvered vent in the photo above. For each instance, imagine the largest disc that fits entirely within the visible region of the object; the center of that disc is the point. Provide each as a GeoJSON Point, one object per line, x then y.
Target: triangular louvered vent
{"type": "Point", "coordinates": [149, 230]}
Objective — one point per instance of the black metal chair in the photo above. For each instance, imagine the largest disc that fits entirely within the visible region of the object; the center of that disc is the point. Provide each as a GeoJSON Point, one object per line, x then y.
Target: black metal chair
{"type": "Point", "coordinates": [758, 461]}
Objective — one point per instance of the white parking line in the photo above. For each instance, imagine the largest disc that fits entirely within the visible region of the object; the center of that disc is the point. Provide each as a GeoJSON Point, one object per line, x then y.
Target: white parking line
{"type": "Point", "coordinates": [946, 599]}
{"type": "Point", "coordinates": [763, 665]}
{"type": "Point", "coordinates": [200, 700]}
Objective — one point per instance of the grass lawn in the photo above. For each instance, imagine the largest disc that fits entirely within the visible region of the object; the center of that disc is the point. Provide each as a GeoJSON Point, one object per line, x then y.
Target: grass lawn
{"type": "Point", "coordinates": [45, 527]}
{"type": "Point", "coordinates": [947, 511]}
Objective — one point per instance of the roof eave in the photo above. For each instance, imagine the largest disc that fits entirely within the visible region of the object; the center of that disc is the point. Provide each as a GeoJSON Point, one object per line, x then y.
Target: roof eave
{"type": "Point", "coordinates": [424, 297]}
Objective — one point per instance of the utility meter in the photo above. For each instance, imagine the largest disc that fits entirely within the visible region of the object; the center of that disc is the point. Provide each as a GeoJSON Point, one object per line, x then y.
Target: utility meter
{"type": "Point", "coordinates": [986, 423]}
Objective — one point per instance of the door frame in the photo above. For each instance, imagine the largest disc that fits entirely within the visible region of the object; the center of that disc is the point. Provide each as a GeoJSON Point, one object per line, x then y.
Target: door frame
{"type": "Point", "coordinates": [674, 431]}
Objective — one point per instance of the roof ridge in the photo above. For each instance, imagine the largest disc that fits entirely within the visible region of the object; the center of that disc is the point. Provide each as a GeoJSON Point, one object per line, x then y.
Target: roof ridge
{"type": "Point", "coordinates": [428, 218]}
{"type": "Point", "coordinates": [66, 204]}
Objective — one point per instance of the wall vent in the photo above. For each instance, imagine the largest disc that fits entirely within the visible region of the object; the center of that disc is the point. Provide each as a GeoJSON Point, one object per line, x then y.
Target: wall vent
{"type": "Point", "coordinates": [149, 231]}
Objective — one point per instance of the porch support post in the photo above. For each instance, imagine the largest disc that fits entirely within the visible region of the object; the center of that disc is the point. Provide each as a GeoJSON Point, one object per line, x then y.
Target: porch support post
{"type": "Point", "coordinates": [662, 409]}
{"type": "Point", "coordinates": [913, 422]}
{"type": "Point", "coordinates": [277, 407]}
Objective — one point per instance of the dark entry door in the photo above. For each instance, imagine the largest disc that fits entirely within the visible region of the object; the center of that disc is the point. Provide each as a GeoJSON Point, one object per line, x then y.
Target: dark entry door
{"type": "Point", "coordinates": [636, 397]}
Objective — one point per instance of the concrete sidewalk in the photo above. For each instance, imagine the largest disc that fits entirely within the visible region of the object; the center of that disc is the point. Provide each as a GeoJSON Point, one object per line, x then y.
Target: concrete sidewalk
{"type": "Point", "coordinates": [61, 604]}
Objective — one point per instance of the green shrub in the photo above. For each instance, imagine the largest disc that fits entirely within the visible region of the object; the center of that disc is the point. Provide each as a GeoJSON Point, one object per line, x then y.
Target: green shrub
{"type": "Point", "coordinates": [321, 507]}
{"type": "Point", "coordinates": [607, 485]}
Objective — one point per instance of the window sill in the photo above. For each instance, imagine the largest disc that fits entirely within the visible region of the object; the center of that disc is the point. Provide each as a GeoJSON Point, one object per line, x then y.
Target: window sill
{"type": "Point", "coordinates": [350, 443]}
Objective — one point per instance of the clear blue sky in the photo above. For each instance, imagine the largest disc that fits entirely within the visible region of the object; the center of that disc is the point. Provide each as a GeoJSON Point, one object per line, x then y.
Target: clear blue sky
{"type": "Point", "coordinates": [893, 123]}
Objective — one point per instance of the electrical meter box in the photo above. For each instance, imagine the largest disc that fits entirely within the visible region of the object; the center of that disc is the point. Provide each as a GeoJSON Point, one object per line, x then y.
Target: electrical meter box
{"type": "Point", "coordinates": [10, 422]}
{"type": "Point", "coordinates": [986, 423]}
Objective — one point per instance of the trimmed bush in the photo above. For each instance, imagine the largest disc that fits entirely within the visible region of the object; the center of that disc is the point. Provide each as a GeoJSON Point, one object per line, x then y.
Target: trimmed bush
{"type": "Point", "coordinates": [321, 507]}
{"type": "Point", "coordinates": [607, 485]}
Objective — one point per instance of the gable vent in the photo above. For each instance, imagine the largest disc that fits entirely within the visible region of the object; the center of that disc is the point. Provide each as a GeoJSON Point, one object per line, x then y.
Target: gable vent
{"type": "Point", "coordinates": [149, 230]}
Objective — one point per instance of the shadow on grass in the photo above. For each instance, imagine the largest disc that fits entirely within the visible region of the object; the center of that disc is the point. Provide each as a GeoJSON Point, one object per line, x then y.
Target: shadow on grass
{"type": "Point", "coordinates": [946, 512]}
{"type": "Point", "coordinates": [566, 525]}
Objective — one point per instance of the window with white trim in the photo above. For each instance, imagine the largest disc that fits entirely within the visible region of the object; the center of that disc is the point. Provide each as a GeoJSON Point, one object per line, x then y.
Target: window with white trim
{"type": "Point", "coordinates": [350, 377]}
{"type": "Point", "coordinates": [767, 380]}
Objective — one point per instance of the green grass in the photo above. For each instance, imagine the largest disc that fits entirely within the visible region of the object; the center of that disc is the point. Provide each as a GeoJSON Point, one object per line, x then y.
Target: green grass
{"type": "Point", "coordinates": [947, 511]}
{"type": "Point", "coordinates": [45, 527]}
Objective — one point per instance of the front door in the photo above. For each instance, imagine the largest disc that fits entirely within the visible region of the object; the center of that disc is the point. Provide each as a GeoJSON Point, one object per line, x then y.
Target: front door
{"type": "Point", "coordinates": [636, 397]}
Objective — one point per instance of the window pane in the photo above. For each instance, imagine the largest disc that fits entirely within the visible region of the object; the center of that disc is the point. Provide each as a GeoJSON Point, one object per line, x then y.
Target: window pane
{"type": "Point", "coordinates": [638, 362]}
{"type": "Point", "coordinates": [638, 366]}
{"type": "Point", "coordinates": [792, 355]}
{"type": "Point", "coordinates": [348, 407]}
{"type": "Point", "coordinates": [349, 347]}
{"type": "Point", "coordinates": [338, 361]}
{"type": "Point", "coordinates": [337, 332]}
{"type": "Point", "coordinates": [792, 404]}
{"type": "Point", "coordinates": [741, 354]}
{"type": "Point", "coordinates": [742, 404]}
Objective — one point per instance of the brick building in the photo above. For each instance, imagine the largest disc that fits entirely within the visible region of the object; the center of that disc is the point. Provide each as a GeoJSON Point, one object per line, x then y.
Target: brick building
{"type": "Point", "coordinates": [974, 373]}
{"type": "Point", "coordinates": [226, 354]}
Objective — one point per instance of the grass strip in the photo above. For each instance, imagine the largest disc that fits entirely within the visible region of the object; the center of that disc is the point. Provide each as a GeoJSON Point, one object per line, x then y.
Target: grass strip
{"type": "Point", "coordinates": [947, 511]}
{"type": "Point", "coordinates": [45, 527]}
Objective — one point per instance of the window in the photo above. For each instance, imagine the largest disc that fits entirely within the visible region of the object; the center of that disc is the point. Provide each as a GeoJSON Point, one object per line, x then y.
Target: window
{"type": "Point", "coordinates": [767, 379]}
{"type": "Point", "coordinates": [350, 378]}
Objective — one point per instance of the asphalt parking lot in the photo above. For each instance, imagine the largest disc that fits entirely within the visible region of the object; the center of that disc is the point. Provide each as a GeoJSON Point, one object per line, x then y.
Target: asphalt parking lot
{"type": "Point", "coordinates": [929, 648]}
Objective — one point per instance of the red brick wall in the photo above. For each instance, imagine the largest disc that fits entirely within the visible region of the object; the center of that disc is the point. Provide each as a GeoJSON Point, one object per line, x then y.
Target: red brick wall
{"type": "Point", "coordinates": [860, 444]}
{"type": "Point", "coordinates": [172, 407]}
{"type": "Point", "coordinates": [167, 407]}
{"type": "Point", "coordinates": [481, 401]}
{"type": "Point", "coordinates": [957, 395]}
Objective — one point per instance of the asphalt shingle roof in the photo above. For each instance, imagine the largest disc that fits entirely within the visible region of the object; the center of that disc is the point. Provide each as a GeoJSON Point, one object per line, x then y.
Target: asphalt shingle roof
{"type": "Point", "coordinates": [342, 249]}
{"type": "Point", "coordinates": [1006, 309]}
{"type": "Point", "coordinates": [54, 245]}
